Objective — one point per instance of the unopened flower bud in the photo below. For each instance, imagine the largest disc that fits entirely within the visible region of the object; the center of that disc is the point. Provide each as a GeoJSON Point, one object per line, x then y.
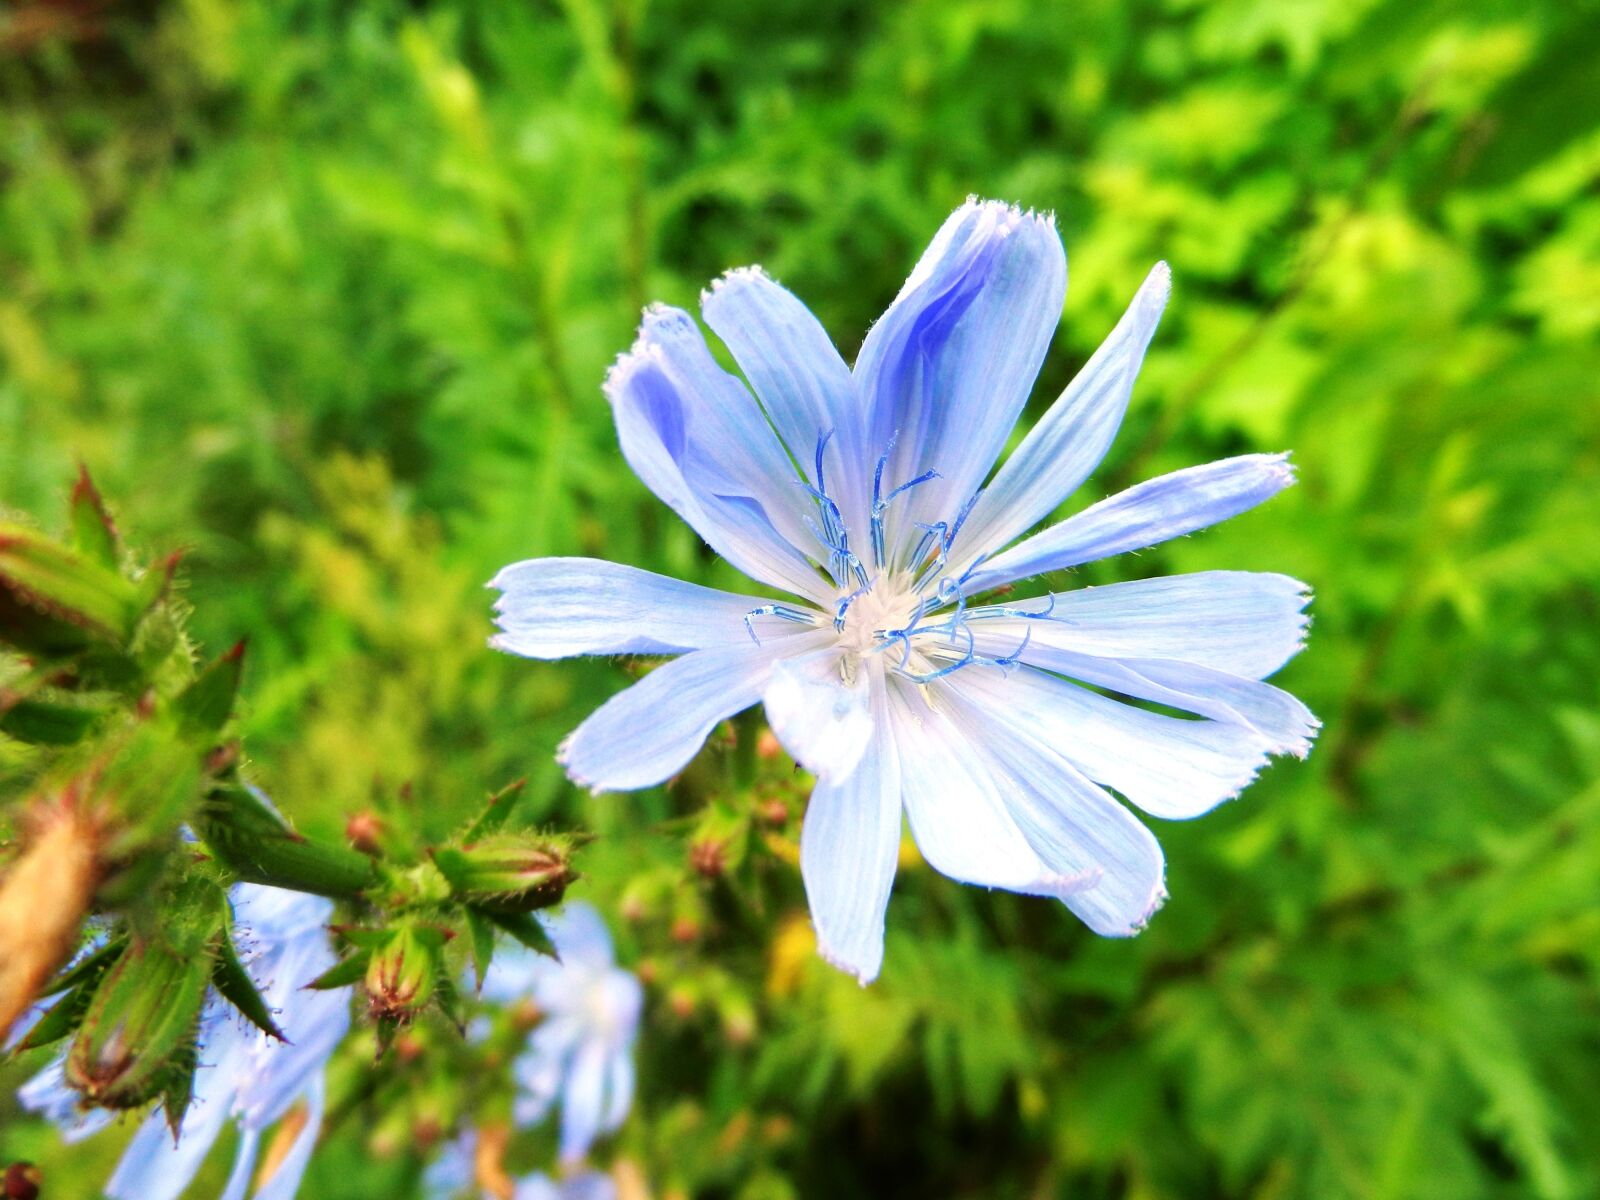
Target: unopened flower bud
{"type": "Point", "coordinates": [137, 1040]}
{"type": "Point", "coordinates": [364, 831]}
{"type": "Point", "coordinates": [22, 1181]}
{"type": "Point", "coordinates": [512, 872]}
{"type": "Point", "coordinates": [648, 971]}
{"type": "Point", "coordinates": [685, 930]}
{"type": "Point", "coordinates": [682, 1003]}
{"type": "Point", "coordinates": [54, 600]}
{"type": "Point", "coordinates": [774, 812]}
{"type": "Point", "coordinates": [402, 974]}
{"type": "Point", "coordinates": [708, 857]}
{"type": "Point", "coordinates": [767, 745]}
{"type": "Point", "coordinates": [525, 1015]}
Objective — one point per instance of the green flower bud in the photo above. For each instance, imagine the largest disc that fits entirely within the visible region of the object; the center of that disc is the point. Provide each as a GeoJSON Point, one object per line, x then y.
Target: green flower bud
{"type": "Point", "coordinates": [509, 872]}
{"type": "Point", "coordinates": [402, 973]}
{"type": "Point", "coordinates": [56, 601]}
{"type": "Point", "coordinates": [137, 1041]}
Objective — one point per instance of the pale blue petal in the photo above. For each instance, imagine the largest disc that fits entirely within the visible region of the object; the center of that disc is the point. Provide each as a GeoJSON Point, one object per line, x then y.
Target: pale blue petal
{"type": "Point", "coordinates": [582, 1101]}
{"type": "Point", "coordinates": [802, 382]}
{"type": "Point", "coordinates": [1072, 437]}
{"type": "Point", "coordinates": [823, 720]}
{"type": "Point", "coordinates": [580, 936]}
{"type": "Point", "coordinates": [649, 732]}
{"type": "Point", "coordinates": [557, 607]}
{"type": "Point", "coordinates": [285, 1180]}
{"type": "Point", "coordinates": [153, 1167]}
{"type": "Point", "coordinates": [513, 972]}
{"type": "Point", "coordinates": [619, 1088]}
{"type": "Point", "coordinates": [957, 810]}
{"type": "Point", "coordinates": [1144, 515]}
{"type": "Point", "coordinates": [48, 1095]}
{"type": "Point", "coordinates": [1283, 724]}
{"type": "Point", "coordinates": [1076, 829]}
{"type": "Point", "coordinates": [849, 843]}
{"type": "Point", "coordinates": [1242, 622]}
{"type": "Point", "coordinates": [698, 439]}
{"type": "Point", "coordinates": [451, 1172]}
{"type": "Point", "coordinates": [541, 1068]}
{"type": "Point", "coordinates": [948, 368]}
{"type": "Point", "coordinates": [590, 1185]}
{"type": "Point", "coordinates": [1170, 767]}
{"type": "Point", "coordinates": [244, 1162]}
{"type": "Point", "coordinates": [537, 1187]}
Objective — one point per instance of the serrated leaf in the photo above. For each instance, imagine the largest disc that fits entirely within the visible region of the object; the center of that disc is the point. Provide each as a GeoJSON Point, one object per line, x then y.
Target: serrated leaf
{"type": "Point", "coordinates": [87, 968]}
{"type": "Point", "coordinates": [207, 703]}
{"type": "Point", "coordinates": [343, 973]}
{"type": "Point", "coordinates": [496, 813]}
{"type": "Point", "coordinates": [525, 928]}
{"type": "Point", "coordinates": [62, 1018]}
{"type": "Point", "coordinates": [230, 978]}
{"type": "Point", "coordinates": [94, 534]}
{"type": "Point", "coordinates": [481, 932]}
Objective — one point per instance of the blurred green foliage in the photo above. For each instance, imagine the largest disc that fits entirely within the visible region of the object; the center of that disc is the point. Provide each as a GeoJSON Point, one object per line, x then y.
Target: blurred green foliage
{"type": "Point", "coordinates": [323, 294]}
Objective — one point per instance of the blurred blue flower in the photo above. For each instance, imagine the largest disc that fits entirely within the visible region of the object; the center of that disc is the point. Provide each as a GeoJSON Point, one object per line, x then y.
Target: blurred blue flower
{"type": "Point", "coordinates": [451, 1175]}
{"type": "Point", "coordinates": [244, 1075]}
{"type": "Point", "coordinates": [581, 1052]}
{"type": "Point", "coordinates": [867, 495]}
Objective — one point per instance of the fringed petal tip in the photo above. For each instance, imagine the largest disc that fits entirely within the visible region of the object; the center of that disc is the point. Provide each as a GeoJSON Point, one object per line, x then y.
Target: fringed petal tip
{"type": "Point", "coordinates": [642, 354]}
{"type": "Point", "coordinates": [732, 278]}
{"type": "Point", "coordinates": [1158, 897]}
{"type": "Point", "coordinates": [564, 761]}
{"type": "Point", "coordinates": [656, 322]}
{"type": "Point", "coordinates": [862, 975]}
{"type": "Point", "coordinates": [1008, 215]}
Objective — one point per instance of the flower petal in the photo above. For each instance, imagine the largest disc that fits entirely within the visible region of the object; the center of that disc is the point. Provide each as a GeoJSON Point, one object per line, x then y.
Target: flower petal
{"type": "Point", "coordinates": [650, 731]}
{"type": "Point", "coordinates": [556, 607]}
{"type": "Point", "coordinates": [823, 721]}
{"type": "Point", "coordinates": [957, 810]}
{"type": "Point", "coordinates": [1166, 507]}
{"type": "Point", "coordinates": [947, 369]}
{"type": "Point", "coordinates": [1284, 725]}
{"type": "Point", "coordinates": [619, 1088]}
{"type": "Point", "coordinates": [1168, 766]}
{"type": "Point", "coordinates": [698, 439]}
{"type": "Point", "coordinates": [580, 937]}
{"type": "Point", "coordinates": [849, 844]}
{"type": "Point", "coordinates": [285, 1179]}
{"type": "Point", "coordinates": [800, 379]}
{"type": "Point", "coordinates": [581, 1101]}
{"type": "Point", "coordinates": [1073, 436]}
{"type": "Point", "coordinates": [1246, 623]}
{"type": "Point", "coordinates": [1076, 829]}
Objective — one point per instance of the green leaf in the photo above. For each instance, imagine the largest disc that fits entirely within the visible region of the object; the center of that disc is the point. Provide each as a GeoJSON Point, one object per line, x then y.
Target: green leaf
{"type": "Point", "coordinates": [230, 978]}
{"type": "Point", "coordinates": [343, 973]}
{"type": "Point", "coordinates": [495, 814]}
{"type": "Point", "coordinates": [94, 534]}
{"type": "Point", "coordinates": [207, 703]}
{"type": "Point", "coordinates": [525, 928]}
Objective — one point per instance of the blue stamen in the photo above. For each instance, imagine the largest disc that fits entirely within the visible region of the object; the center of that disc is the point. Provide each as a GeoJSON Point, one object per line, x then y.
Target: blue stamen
{"type": "Point", "coordinates": [782, 611]}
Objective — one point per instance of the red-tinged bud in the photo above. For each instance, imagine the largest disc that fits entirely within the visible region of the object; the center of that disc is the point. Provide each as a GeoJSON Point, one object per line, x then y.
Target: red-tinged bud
{"type": "Point", "coordinates": [364, 830]}
{"type": "Point", "coordinates": [511, 872]}
{"type": "Point", "coordinates": [685, 930]}
{"type": "Point", "coordinates": [633, 909]}
{"type": "Point", "coordinates": [767, 746]}
{"type": "Point", "coordinates": [22, 1181]}
{"type": "Point", "coordinates": [682, 1003]}
{"type": "Point", "coordinates": [402, 974]}
{"type": "Point", "coordinates": [54, 600]}
{"type": "Point", "coordinates": [408, 1047]}
{"type": "Point", "coordinates": [138, 1037]}
{"type": "Point", "coordinates": [774, 812]}
{"type": "Point", "coordinates": [649, 971]}
{"type": "Point", "coordinates": [426, 1130]}
{"type": "Point", "coordinates": [708, 857]}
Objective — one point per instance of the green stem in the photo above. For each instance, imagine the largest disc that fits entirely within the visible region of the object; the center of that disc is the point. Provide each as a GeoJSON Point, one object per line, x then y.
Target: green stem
{"type": "Point", "coordinates": [252, 841]}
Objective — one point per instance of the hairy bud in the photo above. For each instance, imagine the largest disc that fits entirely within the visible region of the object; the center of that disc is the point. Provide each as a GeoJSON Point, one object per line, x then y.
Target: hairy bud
{"type": "Point", "coordinates": [511, 872]}
{"type": "Point", "coordinates": [402, 974]}
{"type": "Point", "coordinates": [54, 600]}
{"type": "Point", "coordinates": [137, 1041]}
{"type": "Point", "coordinates": [21, 1182]}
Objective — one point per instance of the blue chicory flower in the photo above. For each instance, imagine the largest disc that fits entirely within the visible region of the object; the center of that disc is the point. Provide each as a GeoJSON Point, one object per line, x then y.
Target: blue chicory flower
{"type": "Point", "coordinates": [243, 1075]}
{"type": "Point", "coordinates": [867, 495]}
{"type": "Point", "coordinates": [581, 1052]}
